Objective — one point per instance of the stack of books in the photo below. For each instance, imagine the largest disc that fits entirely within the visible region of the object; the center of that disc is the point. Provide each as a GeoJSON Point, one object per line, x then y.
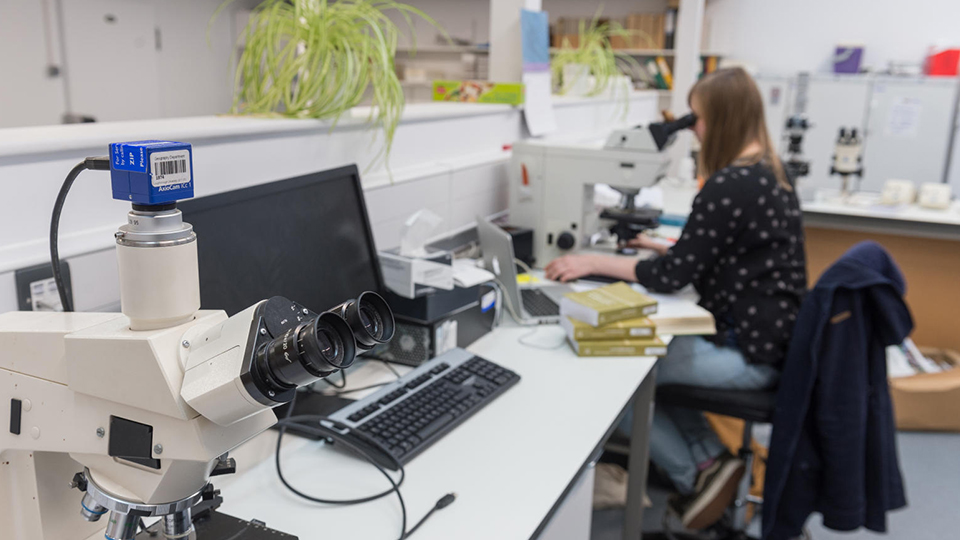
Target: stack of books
{"type": "Point", "coordinates": [611, 321]}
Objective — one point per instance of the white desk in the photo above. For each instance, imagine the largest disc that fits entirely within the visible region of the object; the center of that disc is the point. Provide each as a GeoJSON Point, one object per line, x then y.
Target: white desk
{"type": "Point", "coordinates": [904, 220]}
{"type": "Point", "coordinates": [510, 464]}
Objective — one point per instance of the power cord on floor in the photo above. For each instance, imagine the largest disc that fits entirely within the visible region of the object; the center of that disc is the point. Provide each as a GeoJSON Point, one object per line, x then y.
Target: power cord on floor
{"type": "Point", "coordinates": [315, 425]}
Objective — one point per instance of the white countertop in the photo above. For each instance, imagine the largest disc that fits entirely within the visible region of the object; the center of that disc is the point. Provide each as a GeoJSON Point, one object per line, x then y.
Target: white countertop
{"type": "Point", "coordinates": [508, 464]}
{"type": "Point", "coordinates": [906, 212]}
{"type": "Point", "coordinates": [862, 212]}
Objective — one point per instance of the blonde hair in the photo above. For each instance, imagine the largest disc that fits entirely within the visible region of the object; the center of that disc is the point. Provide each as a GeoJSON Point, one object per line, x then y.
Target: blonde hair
{"type": "Point", "coordinates": [732, 110]}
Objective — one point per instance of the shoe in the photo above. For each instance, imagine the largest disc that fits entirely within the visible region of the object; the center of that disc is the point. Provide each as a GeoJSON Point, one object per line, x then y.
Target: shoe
{"type": "Point", "coordinates": [609, 486]}
{"type": "Point", "coordinates": [716, 490]}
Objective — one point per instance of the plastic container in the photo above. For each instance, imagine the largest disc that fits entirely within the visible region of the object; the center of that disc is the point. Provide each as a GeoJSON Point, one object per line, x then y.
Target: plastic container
{"type": "Point", "coordinates": [847, 58]}
{"type": "Point", "coordinates": [943, 63]}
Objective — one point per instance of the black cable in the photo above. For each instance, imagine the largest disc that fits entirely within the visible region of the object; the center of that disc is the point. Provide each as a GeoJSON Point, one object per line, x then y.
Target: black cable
{"type": "Point", "coordinates": [354, 390]}
{"type": "Point", "coordinates": [314, 428]}
{"type": "Point", "coordinates": [317, 429]}
{"type": "Point", "coordinates": [343, 378]}
{"type": "Point", "coordinates": [386, 363]}
{"type": "Point", "coordinates": [92, 163]}
{"type": "Point", "coordinates": [444, 502]}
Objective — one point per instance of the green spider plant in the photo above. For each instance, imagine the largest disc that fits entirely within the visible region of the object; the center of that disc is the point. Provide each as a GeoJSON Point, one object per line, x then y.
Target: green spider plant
{"type": "Point", "coordinates": [596, 53]}
{"type": "Point", "coordinates": [318, 58]}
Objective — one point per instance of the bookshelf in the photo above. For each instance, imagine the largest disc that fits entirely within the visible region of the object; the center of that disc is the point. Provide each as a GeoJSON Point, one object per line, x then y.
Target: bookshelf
{"type": "Point", "coordinates": [443, 49]}
{"type": "Point", "coordinates": [667, 53]}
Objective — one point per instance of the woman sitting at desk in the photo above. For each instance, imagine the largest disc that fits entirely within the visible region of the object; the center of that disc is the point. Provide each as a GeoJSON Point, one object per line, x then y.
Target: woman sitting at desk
{"type": "Point", "coordinates": [742, 249]}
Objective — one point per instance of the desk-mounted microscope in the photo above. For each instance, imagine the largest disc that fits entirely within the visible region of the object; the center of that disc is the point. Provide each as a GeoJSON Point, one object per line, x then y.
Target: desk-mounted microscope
{"type": "Point", "coordinates": [126, 416]}
{"type": "Point", "coordinates": [552, 186]}
{"type": "Point", "coordinates": [848, 159]}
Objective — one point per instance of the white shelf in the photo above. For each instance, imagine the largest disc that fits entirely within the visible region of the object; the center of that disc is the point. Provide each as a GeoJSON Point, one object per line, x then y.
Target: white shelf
{"type": "Point", "coordinates": [453, 49]}
{"type": "Point", "coordinates": [648, 52]}
{"type": "Point", "coordinates": [443, 49]}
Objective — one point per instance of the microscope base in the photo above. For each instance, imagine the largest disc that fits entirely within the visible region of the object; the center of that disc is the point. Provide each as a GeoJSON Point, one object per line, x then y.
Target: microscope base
{"type": "Point", "coordinates": [217, 526]}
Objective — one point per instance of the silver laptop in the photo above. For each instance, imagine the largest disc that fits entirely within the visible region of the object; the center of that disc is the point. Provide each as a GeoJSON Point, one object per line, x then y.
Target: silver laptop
{"type": "Point", "coordinates": [528, 305]}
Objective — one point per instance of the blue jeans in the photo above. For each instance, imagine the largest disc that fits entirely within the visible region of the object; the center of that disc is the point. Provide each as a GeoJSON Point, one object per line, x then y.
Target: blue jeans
{"type": "Point", "coordinates": [681, 439]}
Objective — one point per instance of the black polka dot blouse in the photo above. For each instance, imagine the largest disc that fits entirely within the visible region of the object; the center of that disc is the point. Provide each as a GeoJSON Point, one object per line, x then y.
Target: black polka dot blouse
{"type": "Point", "coordinates": [742, 249]}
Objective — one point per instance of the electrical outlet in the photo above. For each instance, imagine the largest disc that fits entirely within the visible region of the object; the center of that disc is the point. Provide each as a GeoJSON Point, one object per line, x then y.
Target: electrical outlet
{"type": "Point", "coordinates": [37, 290]}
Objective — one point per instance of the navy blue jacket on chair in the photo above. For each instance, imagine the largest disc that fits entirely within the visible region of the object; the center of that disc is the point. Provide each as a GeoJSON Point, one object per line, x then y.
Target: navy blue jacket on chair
{"type": "Point", "coordinates": [833, 447]}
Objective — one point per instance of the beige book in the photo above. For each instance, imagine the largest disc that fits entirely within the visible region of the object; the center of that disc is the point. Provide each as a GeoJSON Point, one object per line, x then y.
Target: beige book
{"type": "Point", "coordinates": [679, 316]}
{"type": "Point", "coordinates": [652, 346]}
{"type": "Point", "coordinates": [607, 304]}
{"type": "Point", "coordinates": [628, 329]}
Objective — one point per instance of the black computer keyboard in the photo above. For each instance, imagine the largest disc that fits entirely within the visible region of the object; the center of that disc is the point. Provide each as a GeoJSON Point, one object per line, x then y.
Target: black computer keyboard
{"type": "Point", "coordinates": [408, 416]}
{"type": "Point", "coordinates": [538, 304]}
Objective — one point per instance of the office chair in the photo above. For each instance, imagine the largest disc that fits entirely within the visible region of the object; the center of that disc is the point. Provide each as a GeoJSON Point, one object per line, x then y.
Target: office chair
{"type": "Point", "coordinates": [750, 406]}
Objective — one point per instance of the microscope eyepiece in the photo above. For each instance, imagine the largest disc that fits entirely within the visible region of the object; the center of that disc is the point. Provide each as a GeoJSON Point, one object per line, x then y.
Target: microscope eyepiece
{"type": "Point", "coordinates": [662, 132]}
{"type": "Point", "coordinates": [370, 319]}
{"type": "Point", "coordinates": [314, 349]}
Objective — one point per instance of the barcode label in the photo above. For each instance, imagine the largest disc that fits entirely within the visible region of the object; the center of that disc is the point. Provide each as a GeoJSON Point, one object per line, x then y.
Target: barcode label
{"type": "Point", "coordinates": [171, 167]}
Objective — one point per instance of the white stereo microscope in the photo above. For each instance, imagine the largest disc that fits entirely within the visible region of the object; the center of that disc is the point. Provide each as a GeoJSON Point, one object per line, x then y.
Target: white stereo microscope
{"type": "Point", "coordinates": [552, 186]}
{"type": "Point", "coordinates": [127, 415]}
{"type": "Point", "coordinates": [847, 159]}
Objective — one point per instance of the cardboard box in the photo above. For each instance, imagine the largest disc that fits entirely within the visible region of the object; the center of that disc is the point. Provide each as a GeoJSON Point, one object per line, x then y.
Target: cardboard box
{"type": "Point", "coordinates": [478, 92]}
{"type": "Point", "coordinates": [929, 401]}
{"type": "Point", "coordinates": [649, 28]}
{"type": "Point", "coordinates": [619, 42]}
{"type": "Point", "coordinates": [566, 28]}
{"type": "Point", "coordinates": [412, 277]}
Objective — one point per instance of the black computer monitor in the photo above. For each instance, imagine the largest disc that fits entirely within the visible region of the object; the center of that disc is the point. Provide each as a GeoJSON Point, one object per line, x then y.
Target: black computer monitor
{"type": "Point", "coordinates": [306, 238]}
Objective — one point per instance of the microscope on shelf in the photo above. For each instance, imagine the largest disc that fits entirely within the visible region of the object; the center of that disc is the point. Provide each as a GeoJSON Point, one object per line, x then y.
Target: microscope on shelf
{"type": "Point", "coordinates": [120, 417]}
{"type": "Point", "coordinates": [847, 158]}
{"type": "Point", "coordinates": [796, 167]}
{"type": "Point", "coordinates": [552, 186]}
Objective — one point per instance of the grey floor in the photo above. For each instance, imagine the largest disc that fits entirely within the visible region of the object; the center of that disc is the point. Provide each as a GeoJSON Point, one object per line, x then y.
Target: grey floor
{"type": "Point", "coordinates": [930, 463]}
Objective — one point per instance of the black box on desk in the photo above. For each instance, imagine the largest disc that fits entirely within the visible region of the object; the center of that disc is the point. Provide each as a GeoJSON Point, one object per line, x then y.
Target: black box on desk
{"type": "Point", "coordinates": [522, 243]}
{"type": "Point", "coordinates": [432, 306]}
{"type": "Point", "coordinates": [417, 341]}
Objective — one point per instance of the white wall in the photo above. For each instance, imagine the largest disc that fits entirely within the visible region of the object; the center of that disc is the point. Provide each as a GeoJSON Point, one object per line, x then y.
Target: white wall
{"type": "Point", "coordinates": [786, 36]}
{"type": "Point", "coordinates": [463, 19]}
{"type": "Point", "coordinates": [28, 96]}
{"type": "Point", "coordinates": [116, 69]}
{"type": "Point", "coordinates": [196, 73]}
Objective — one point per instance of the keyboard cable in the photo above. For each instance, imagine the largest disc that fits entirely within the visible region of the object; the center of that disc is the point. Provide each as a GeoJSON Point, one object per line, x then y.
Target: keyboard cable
{"type": "Point", "coordinates": [341, 390]}
{"type": "Point", "coordinates": [312, 424]}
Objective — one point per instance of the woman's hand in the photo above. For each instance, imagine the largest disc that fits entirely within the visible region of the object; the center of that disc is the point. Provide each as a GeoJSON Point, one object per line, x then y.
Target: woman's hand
{"type": "Point", "coordinates": [643, 241]}
{"type": "Point", "coordinates": [571, 267]}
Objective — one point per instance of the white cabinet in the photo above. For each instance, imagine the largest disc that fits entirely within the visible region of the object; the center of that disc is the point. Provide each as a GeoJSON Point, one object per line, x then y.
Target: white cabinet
{"type": "Point", "coordinates": [907, 125]}
{"type": "Point", "coordinates": [778, 102]}
{"type": "Point", "coordinates": [909, 133]}
{"type": "Point", "coordinates": [833, 102]}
